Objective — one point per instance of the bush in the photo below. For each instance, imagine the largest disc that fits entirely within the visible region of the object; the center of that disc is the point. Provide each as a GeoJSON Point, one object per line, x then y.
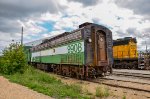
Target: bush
{"type": "Point", "coordinates": [13, 59]}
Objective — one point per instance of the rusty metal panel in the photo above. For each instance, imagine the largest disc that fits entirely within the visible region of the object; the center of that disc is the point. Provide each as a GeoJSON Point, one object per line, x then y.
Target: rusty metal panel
{"type": "Point", "coordinates": [94, 56]}
{"type": "Point", "coordinates": [89, 51]}
{"type": "Point", "coordinates": [109, 46]}
{"type": "Point", "coordinates": [101, 47]}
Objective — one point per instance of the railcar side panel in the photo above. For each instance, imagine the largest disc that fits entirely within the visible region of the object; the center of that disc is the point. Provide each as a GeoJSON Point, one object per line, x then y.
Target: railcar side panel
{"type": "Point", "coordinates": [71, 53]}
{"type": "Point", "coordinates": [125, 51]}
{"type": "Point", "coordinates": [27, 52]}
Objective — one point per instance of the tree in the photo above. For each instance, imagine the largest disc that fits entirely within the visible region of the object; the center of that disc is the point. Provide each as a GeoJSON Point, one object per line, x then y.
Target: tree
{"type": "Point", "coordinates": [13, 59]}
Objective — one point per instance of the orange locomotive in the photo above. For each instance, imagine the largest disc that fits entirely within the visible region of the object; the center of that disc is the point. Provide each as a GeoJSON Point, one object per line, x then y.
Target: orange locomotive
{"type": "Point", "coordinates": [125, 53]}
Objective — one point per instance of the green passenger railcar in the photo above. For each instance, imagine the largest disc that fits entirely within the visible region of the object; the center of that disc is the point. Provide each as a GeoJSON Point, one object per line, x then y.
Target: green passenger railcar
{"type": "Point", "coordinates": [82, 53]}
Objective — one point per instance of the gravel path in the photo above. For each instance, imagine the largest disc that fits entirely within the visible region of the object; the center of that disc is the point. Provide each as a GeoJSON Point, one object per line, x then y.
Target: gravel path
{"type": "Point", "coordinates": [10, 90]}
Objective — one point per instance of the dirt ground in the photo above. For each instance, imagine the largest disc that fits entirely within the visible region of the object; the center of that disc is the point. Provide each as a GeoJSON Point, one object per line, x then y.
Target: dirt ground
{"type": "Point", "coordinates": [10, 90]}
{"type": "Point", "coordinates": [115, 93]}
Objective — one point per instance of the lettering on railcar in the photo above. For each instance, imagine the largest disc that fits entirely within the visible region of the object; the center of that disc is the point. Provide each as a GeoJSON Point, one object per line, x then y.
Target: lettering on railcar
{"type": "Point", "coordinates": [75, 48]}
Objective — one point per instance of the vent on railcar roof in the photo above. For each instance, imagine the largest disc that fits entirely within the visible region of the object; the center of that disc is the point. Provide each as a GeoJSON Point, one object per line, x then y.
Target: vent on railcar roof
{"type": "Point", "coordinates": [45, 40]}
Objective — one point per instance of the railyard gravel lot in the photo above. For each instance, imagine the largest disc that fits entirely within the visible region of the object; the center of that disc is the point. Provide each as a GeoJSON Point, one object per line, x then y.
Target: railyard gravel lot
{"type": "Point", "coordinates": [132, 71]}
{"type": "Point", "coordinates": [115, 93]}
{"type": "Point", "coordinates": [9, 90]}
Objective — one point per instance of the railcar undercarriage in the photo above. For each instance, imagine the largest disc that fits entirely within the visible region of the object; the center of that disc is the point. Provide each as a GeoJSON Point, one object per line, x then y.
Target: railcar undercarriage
{"type": "Point", "coordinates": [74, 71]}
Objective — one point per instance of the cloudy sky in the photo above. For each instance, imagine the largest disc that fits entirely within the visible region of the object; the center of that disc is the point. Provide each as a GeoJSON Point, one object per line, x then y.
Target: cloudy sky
{"type": "Point", "coordinates": [44, 18]}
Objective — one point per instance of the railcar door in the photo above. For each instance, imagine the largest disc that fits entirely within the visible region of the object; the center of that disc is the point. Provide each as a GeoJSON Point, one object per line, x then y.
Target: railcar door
{"type": "Point", "coordinates": [101, 48]}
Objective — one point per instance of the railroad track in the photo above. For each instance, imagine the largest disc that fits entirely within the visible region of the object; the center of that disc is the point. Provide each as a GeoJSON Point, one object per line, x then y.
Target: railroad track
{"type": "Point", "coordinates": [129, 74]}
{"type": "Point", "coordinates": [126, 81]}
{"type": "Point", "coordinates": [145, 87]}
{"type": "Point", "coordinates": [102, 81]}
{"type": "Point", "coordinates": [121, 86]}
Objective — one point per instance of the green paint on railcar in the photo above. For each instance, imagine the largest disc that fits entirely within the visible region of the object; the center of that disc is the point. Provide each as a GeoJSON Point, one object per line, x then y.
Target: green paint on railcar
{"type": "Point", "coordinates": [74, 58]}
{"type": "Point", "coordinates": [27, 52]}
{"type": "Point", "coordinates": [36, 59]}
{"type": "Point", "coordinates": [73, 54]}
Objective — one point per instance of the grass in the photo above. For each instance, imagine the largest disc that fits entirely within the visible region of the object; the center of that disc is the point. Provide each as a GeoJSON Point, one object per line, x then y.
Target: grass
{"type": "Point", "coordinates": [86, 91]}
{"type": "Point", "coordinates": [124, 97]}
{"type": "Point", "coordinates": [44, 83]}
{"type": "Point", "coordinates": [102, 91]}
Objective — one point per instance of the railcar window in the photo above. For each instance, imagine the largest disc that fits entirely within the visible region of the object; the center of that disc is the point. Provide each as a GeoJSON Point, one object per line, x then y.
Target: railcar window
{"type": "Point", "coordinates": [60, 40]}
{"type": "Point", "coordinates": [101, 39]}
{"type": "Point", "coordinates": [76, 36]}
{"type": "Point", "coordinates": [64, 38]}
{"type": "Point", "coordinates": [70, 36]}
{"type": "Point", "coordinates": [52, 42]}
{"type": "Point", "coordinates": [49, 43]}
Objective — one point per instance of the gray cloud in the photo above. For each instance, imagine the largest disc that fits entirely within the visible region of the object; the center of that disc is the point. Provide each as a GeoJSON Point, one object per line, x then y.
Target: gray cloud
{"type": "Point", "coordinates": [23, 8]}
{"type": "Point", "coordinates": [13, 10]}
{"type": "Point", "coordinates": [138, 6]}
{"type": "Point", "coordinates": [144, 43]}
{"type": "Point", "coordinates": [133, 32]}
{"type": "Point", "coordinates": [9, 26]}
{"type": "Point", "coordinates": [140, 36]}
{"type": "Point", "coordinates": [87, 2]}
{"type": "Point", "coordinates": [147, 30]}
{"type": "Point", "coordinates": [121, 34]}
{"type": "Point", "coordinates": [145, 34]}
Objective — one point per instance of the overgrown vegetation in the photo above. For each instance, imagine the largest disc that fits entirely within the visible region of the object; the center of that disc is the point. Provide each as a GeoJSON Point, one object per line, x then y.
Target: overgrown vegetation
{"type": "Point", "coordinates": [13, 59]}
{"type": "Point", "coordinates": [102, 91]}
{"type": "Point", "coordinates": [46, 84]}
{"type": "Point", "coordinates": [13, 65]}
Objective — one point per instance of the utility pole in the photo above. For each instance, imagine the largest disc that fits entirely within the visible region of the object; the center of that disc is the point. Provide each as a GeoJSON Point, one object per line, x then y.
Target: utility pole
{"type": "Point", "coordinates": [22, 36]}
{"type": "Point", "coordinates": [146, 46]}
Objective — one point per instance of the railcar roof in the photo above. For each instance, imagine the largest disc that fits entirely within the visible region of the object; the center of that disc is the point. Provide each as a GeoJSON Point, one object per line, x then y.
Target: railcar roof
{"type": "Point", "coordinates": [65, 33]}
{"type": "Point", "coordinates": [123, 41]}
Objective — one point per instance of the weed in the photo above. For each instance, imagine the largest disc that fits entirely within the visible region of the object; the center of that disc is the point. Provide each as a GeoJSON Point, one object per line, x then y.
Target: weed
{"type": "Point", "coordinates": [102, 91]}
{"type": "Point", "coordinates": [124, 97]}
{"type": "Point", "coordinates": [86, 91]}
